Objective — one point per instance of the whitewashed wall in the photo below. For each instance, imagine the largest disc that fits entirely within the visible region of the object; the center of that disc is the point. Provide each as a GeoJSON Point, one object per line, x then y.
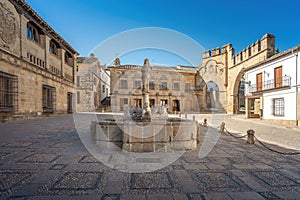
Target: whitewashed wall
{"type": "Point", "coordinates": [288, 64]}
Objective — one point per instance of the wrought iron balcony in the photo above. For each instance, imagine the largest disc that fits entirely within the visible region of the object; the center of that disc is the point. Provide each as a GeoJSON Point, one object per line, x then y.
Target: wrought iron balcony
{"type": "Point", "coordinates": [271, 84]}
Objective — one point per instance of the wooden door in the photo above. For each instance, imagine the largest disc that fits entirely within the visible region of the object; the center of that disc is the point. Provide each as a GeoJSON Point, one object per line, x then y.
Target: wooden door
{"type": "Point", "coordinates": [259, 82]}
{"type": "Point", "coordinates": [278, 77]}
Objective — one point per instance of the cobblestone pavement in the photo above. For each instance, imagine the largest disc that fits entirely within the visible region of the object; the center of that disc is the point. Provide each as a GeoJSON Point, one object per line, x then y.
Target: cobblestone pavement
{"type": "Point", "coordinates": [45, 159]}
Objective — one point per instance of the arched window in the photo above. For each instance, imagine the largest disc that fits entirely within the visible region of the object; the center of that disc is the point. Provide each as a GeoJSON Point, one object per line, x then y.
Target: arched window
{"type": "Point", "coordinates": [33, 32]}
{"type": "Point", "coordinates": [68, 58]}
{"type": "Point", "coordinates": [53, 47]}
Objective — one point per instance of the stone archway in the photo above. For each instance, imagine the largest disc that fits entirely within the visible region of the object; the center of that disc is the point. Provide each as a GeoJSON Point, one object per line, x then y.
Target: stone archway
{"type": "Point", "coordinates": [213, 73]}
{"type": "Point", "coordinates": [212, 96]}
{"type": "Point", "coordinates": [238, 94]}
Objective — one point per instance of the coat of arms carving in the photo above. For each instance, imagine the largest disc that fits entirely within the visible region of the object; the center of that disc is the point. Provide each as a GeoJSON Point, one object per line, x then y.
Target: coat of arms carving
{"type": "Point", "coordinates": [8, 25]}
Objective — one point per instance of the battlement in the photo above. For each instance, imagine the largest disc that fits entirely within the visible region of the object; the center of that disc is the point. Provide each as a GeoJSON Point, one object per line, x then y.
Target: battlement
{"type": "Point", "coordinates": [266, 43]}
{"type": "Point", "coordinates": [217, 51]}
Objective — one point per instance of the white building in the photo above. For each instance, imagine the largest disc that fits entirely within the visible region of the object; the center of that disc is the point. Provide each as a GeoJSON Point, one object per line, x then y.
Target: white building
{"type": "Point", "coordinates": [92, 85]}
{"type": "Point", "coordinates": [270, 88]}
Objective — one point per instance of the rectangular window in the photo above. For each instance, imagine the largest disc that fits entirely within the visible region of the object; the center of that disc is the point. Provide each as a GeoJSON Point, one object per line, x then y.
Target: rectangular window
{"type": "Point", "coordinates": [152, 103]}
{"type": "Point", "coordinates": [163, 102]}
{"type": "Point", "coordinates": [78, 97]}
{"type": "Point", "coordinates": [49, 98]}
{"type": "Point", "coordinates": [103, 88]}
{"type": "Point", "coordinates": [137, 103]}
{"type": "Point", "coordinates": [278, 107]}
{"type": "Point", "coordinates": [78, 81]}
{"type": "Point", "coordinates": [137, 84]}
{"type": "Point", "coordinates": [151, 85]}
{"type": "Point", "coordinates": [164, 86]}
{"type": "Point", "coordinates": [187, 87]}
{"type": "Point", "coordinates": [176, 86]}
{"type": "Point", "coordinates": [278, 77]}
{"type": "Point", "coordinates": [123, 84]}
{"type": "Point", "coordinates": [70, 102]}
{"type": "Point", "coordinates": [8, 92]}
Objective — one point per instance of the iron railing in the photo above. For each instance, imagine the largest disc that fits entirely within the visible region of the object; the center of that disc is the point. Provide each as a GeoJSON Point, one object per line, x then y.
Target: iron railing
{"type": "Point", "coordinates": [270, 84]}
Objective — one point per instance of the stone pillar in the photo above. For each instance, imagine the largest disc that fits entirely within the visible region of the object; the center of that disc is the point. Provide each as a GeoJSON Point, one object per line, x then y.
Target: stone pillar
{"type": "Point", "coordinates": [250, 139]}
{"type": "Point", "coordinates": [145, 89]}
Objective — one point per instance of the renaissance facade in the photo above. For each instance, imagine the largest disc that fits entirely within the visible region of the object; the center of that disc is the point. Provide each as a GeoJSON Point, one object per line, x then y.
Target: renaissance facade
{"type": "Point", "coordinates": [177, 88]}
{"type": "Point", "coordinates": [36, 64]}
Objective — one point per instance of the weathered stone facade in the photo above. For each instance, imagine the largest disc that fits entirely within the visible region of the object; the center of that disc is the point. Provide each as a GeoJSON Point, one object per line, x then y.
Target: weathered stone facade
{"type": "Point", "coordinates": [36, 64]}
{"type": "Point", "coordinates": [92, 84]}
{"type": "Point", "coordinates": [222, 67]}
{"type": "Point", "coordinates": [170, 86]}
{"type": "Point", "coordinates": [225, 68]}
{"type": "Point", "coordinates": [176, 87]}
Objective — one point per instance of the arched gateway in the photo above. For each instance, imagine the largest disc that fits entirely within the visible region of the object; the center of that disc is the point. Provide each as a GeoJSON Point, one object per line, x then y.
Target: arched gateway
{"type": "Point", "coordinates": [225, 69]}
{"type": "Point", "coordinates": [213, 86]}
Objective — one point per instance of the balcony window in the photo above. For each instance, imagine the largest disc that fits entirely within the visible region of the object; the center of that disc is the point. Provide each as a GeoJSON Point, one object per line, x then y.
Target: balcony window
{"type": "Point", "coordinates": [32, 32]}
{"type": "Point", "coordinates": [279, 83]}
{"type": "Point", "coordinates": [68, 59]}
{"type": "Point", "coordinates": [53, 48]}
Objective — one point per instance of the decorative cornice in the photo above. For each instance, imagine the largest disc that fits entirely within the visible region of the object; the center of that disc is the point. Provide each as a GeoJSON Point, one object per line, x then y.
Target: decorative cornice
{"type": "Point", "coordinates": [46, 27]}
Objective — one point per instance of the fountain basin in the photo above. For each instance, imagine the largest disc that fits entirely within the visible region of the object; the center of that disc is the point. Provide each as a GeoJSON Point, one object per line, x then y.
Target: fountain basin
{"type": "Point", "coordinates": [159, 135]}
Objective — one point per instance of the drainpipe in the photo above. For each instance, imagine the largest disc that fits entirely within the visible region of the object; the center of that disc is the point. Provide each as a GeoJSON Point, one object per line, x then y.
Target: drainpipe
{"type": "Point", "coordinates": [297, 89]}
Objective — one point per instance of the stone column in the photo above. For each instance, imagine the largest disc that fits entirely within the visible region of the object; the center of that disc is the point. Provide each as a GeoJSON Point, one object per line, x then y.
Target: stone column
{"type": "Point", "coordinates": [145, 89]}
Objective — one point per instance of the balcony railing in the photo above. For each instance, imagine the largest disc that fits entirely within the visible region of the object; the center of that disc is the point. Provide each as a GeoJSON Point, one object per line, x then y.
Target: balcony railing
{"type": "Point", "coordinates": [271, 84]}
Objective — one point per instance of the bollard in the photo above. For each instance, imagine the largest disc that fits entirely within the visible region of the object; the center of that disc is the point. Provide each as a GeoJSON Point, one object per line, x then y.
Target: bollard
{"type": "Point", "coordinates": [205, 123]}
{"type": "Point", "coordinates": [222, 128]}
{"type": "Point", "coordinates": [194, 118]}
{"type": "Point", "coordinates": [250, 139]}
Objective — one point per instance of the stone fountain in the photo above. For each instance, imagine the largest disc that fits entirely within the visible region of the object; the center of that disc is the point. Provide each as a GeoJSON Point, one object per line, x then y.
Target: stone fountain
{"type": "Point", "coordinates": [146, 129]}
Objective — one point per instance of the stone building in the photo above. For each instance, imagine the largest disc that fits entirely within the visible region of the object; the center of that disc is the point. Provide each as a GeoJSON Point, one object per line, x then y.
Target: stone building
{"type": "Point", "coordinates": [92, 84]}
{"type": "Point", "coordinates": [36, 64]}
{"type": "Point", "coordinates": [214, 86]}
{"type": "Point", "coordinates": [223, 68]}
{"type": "Point", "coordinates": [178, 88]}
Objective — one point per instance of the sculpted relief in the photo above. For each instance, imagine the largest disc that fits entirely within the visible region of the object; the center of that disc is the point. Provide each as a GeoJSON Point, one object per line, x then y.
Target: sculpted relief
{"type": "Point", "coordinates": [8, 24]}
{"type": "Point", "coordinates": [212, 67]}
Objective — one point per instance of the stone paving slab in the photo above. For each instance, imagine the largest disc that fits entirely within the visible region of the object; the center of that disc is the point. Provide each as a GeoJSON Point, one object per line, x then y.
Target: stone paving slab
{"type": "Point", "coordinates": [45, 159]}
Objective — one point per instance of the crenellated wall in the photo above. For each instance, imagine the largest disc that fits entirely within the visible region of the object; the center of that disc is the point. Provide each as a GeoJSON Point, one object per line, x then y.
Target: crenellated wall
{"type": "Point", "coordinates": [225, 68]}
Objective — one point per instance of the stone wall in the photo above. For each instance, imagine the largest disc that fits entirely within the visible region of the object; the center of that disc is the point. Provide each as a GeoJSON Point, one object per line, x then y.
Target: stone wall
{"type": "Point", "coordinates": [175, 79]}
{"type": "Point", "coordinates": [32, 62]}
{"type": "Point", "coordinates": [225, 68]}
{"type": "Point", "coordinates": [90, 79]}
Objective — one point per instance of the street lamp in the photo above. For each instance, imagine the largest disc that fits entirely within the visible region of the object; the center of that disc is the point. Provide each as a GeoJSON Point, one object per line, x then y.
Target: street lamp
{"type": "Point", "coordinates": [245, 82]}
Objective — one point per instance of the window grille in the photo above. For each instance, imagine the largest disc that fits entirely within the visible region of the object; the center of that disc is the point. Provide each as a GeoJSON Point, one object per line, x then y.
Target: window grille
{"type": "Point", "coordinates": [278, 107]}
{"type": "Point", "coordinates": [8, 92]}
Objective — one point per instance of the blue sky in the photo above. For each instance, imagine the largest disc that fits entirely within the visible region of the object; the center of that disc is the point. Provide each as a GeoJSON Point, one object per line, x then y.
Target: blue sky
{"type": "Point", "coordinates": [86, 24]}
